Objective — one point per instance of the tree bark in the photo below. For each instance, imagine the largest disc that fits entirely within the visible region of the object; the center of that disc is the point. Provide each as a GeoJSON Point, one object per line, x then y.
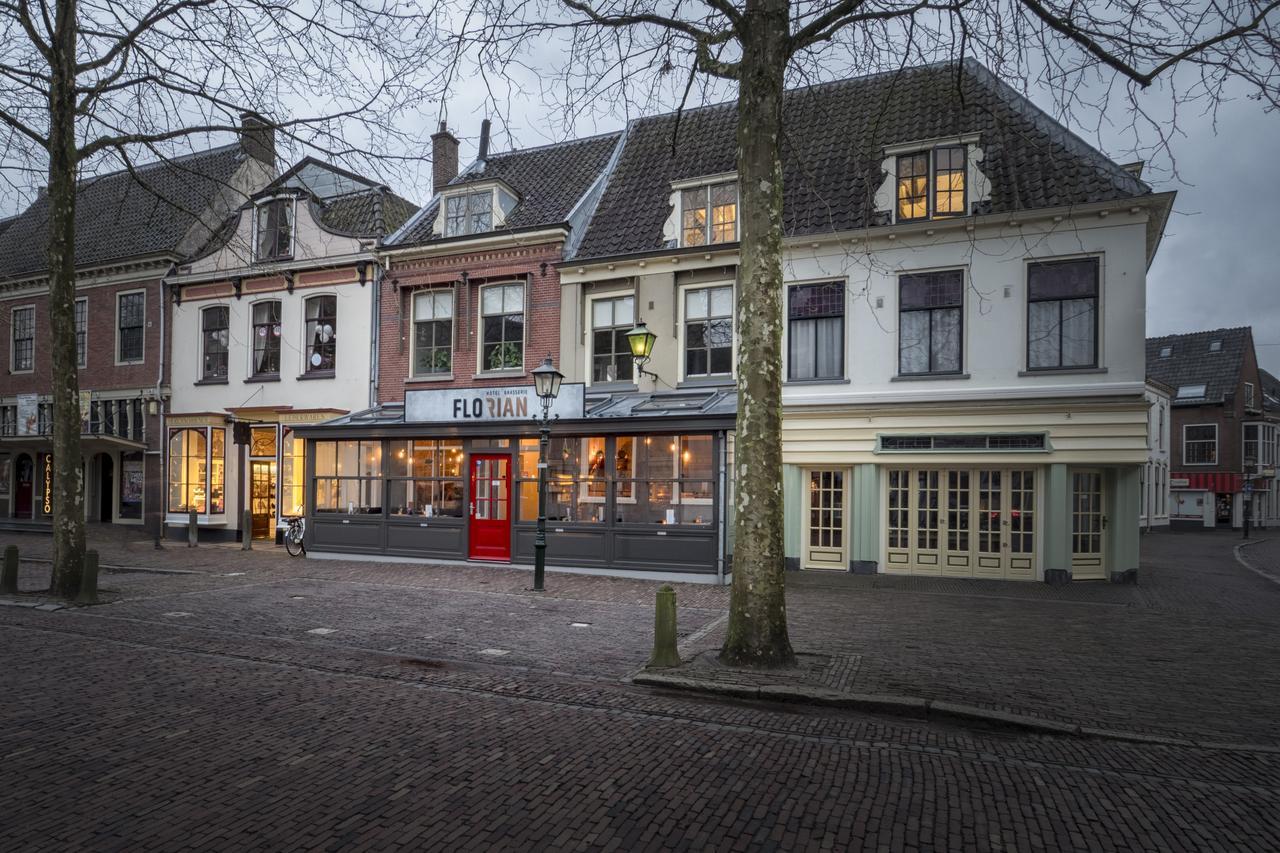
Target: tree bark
{"type": "Point", "coordinates": [68, 472]}
{"type": "Point", "coordinates": [757, 631]}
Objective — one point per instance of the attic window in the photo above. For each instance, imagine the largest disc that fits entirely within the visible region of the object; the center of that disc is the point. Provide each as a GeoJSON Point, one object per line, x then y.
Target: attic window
{"type": "Point", "coordinates": [1165, 352]}
{"type": "Point", "coordinates": [468, 213]}
{"type": "Point", "coordinates": [709, 214]}
{"type": "Point", "coordinates": [931, 184]}
{"type": "Point", "coordinates": [1190, 392]}
{"type": "Point", "coordinates": [1215, 346]}
{"type": "Point", "coordinates": [274, 230]}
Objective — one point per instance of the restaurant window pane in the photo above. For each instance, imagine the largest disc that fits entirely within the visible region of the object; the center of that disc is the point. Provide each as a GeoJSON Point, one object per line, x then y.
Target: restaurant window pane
{"type": "Point", "coordinates": [292, 465]}
{"type": "Point", "coordinates": [214, 322]}
{"type": "Point", "coordinates": [322, 334]}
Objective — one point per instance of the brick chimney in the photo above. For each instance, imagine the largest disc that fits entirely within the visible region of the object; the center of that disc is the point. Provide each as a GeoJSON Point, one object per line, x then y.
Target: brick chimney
{"type": "Point", "coordinates": [444, 158]}
{"type": "Point", "coordinates": [258, 138]}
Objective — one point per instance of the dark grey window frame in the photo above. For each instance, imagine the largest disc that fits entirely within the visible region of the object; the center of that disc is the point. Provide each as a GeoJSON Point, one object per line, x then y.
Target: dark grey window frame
{"type": "Point", "coordinates": [205, 329]}
{"type": "Point", "coordinates": [1097, 313]}
{"type": "Point", "coordinates": [328, 349]}
{"type": "Point", "coordinates": [814, 318]}
{"type": "Point", "coordinates": [959, 305]}
{"type": "Point", "coordinates": [283, 225]}
{"type": "Point", "coordinates": [135, 332]}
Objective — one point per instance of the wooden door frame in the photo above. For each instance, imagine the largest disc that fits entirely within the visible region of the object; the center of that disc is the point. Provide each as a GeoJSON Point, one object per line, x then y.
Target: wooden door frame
{"type": "Point", "coordinates": [509, 459]}
{"type": "Point", "coordinates": [846, 475]}
{"type": "Point", "coordinates": [1093, 564]}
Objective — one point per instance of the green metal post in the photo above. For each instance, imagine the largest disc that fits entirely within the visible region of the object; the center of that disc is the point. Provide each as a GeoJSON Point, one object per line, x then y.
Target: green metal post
{"type": "Point", "coordinates": [89, 582]}
{"type": "Point", "coordinates": [9, 577]}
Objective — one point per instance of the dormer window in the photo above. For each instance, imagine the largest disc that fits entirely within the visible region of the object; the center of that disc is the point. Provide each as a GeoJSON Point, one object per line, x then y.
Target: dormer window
{"type": "Point", "coordinates": [1215, 346]}
{"type": "Point", "coordinates": [468, 213]}
{"type": "Point", "coordinates": [709, 214]}
{"type": "Point", "coordinates": [274, 227]}
{"type": "Point", "coordinates": [1190, 392]}
{"type": "Point", "coordinates": [931, 184]}
{"type": "Point", "coordinates": [1165, 352]}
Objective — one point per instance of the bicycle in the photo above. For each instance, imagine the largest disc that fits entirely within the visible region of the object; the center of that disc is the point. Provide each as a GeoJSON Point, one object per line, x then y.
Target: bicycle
{"type": "Point", "coordinates": [293, 536]}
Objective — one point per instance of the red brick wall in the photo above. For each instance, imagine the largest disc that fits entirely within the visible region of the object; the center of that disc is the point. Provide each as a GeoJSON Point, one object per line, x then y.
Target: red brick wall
{"type": "Point", "coordinates": [533, 265]}
{"type": "Point", "coordinates": [101, 372]}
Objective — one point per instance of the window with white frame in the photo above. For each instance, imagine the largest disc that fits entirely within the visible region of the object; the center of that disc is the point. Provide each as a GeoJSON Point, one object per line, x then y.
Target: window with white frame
{"type": "Point", "coordinates": [468, 213]}
{"type": "Point", "coordinates": [1160, 428]}
{"type": "Point", "coordinates": [432, 332]}
{"type": "Point", "coordinates": [131, 320]}
{"type": "Point", "coordinates": [930, 322]}
{"type": "Point", "coordinates": [23, 331]}
{"type": "Point", "coordinates": [1062, 314]}
{"type": "Point", "coordinates": [815, 331]}
{"type": "Point", "coordinates": [1200, 444]}
{"type": "Point", "coordinates": [82, 331]}
{"type": "Point", "coordinates": [197, 468]}
{"type": "Point", "coordinates": [1191, 392]}
{"type": "Point", "coordinates": [502, 327]}
{"type": "Point", "coordinates": [931, 184]}
{"type": "Point", "coordinates": [214, 336]}
{"type": "Point", "coordinates": [708, 331]}
{"type": "Point", "coordinates": [274, 230]}
{"type": "Point", "coordinates": [709, 214]}
{"type": "Point", "coordinates": [1249, 399]}
{"type": "Point", "coordinates": [1251, 437]}
{"type": "Point", "coordinates": [611, 318]}
{"type": "Point", "coordinates": [266, 332]}
{"type": "Point", "coordinates": [322, 334]}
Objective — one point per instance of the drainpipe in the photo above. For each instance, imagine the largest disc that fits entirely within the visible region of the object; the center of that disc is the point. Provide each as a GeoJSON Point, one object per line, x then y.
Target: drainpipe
{"type": "Point", "coordinates": [161, 441]}
{"type": "Point", "coordinates": [375, 329]}
{"type": "Point", "coordinates": [721, 537]}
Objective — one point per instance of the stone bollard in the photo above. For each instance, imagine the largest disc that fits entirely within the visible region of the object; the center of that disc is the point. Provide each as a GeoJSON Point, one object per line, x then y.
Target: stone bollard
{"type": "Point", "coordinates": [664, 630]}
{"type": "Point", "coordinates": [246, 531]}
{"type": "Point", "coordinates": [89, 580]}
{"type": "Point", "coordinates": [9, 575]}
{"type": "Point", "coordinates": [193, 529]}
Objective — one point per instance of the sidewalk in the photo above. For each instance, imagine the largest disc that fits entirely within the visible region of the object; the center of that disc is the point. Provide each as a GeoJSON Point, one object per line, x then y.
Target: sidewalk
{"type": "Point", "coordinates": [1191, 654]}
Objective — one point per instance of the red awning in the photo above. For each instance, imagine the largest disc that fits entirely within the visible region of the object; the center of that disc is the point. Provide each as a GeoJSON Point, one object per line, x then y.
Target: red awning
{"type": "Point", "coordinates": [1206, 481]}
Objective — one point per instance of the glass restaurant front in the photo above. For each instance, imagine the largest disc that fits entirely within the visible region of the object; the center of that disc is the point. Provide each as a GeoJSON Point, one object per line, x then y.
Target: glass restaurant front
{"type": "Point", "coordinates": [636, 483]}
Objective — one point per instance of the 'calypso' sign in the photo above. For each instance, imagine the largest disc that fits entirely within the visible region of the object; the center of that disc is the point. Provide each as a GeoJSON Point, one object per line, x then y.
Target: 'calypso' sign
{"type": "Point", "coordinates": [474, 405]}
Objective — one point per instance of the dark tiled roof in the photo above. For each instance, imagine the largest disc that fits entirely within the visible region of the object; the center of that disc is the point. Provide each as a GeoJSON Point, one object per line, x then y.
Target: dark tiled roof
{"type": "Point", "coordinates": [1270, 391]}
{"type": "Point", "coordinates": [6, 222]}
{"type": "Point", "coordinates": [370, 213]}
{"type": "Point", "coordinates": [1191, 362]}
{"type": "Point", "coordinates": [833, 149]}
{"type": "Point", "coordinates": [125, 215]}
{"type": "Point", "coordinates": [550, 181]}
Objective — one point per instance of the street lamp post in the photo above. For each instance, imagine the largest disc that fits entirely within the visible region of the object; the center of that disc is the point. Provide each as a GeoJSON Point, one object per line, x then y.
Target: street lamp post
{"type": "Point", "coordinates": [640, 339]}
{"type": "Point", "coordinates": [546, 383]}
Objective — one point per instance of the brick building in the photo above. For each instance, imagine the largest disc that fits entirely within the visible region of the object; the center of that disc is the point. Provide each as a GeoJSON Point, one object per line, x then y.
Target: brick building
{"type": "Point", "coordinates": [1223, 446]}
{"type": "Point", "coordinates": [131, 228]}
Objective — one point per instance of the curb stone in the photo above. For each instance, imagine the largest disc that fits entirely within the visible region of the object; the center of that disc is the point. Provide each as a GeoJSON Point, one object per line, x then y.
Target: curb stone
{"type": "Point", "coordinates": [919, 707]}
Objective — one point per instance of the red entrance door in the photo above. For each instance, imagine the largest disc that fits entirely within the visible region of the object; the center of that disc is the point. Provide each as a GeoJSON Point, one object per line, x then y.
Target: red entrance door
{"type": "Point", "coordinates": [491, 508]}
{"type": "Point", "coordinates": [24, 476]}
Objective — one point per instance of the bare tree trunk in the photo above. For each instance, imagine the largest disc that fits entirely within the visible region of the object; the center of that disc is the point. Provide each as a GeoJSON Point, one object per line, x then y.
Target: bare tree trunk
{"type": "Point", "coordinates": [68, 488]}
{"type": "Point", "coordinates": [757, 632]}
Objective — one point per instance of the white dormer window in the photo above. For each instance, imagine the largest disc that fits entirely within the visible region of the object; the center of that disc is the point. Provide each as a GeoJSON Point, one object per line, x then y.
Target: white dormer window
{"type": "Point", "coordinates": [1165, 352]}
{"type": "Point", "coordinates": [1215, 346]}
{"type": "Point", "coordinates": [468, 213]}
{"type": "Point", "coordinates": [931, 184]}
{"type": "Point", "coordinates": [273, 230]}
{"type": "Point", "coordinates": [709, 214]}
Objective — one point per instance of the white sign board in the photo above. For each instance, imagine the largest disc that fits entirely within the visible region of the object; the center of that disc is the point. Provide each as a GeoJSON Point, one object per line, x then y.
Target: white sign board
{"type": "Point", "coordinates": [481, 405]}
{"type": "Point", "coordinates": [28, 414]}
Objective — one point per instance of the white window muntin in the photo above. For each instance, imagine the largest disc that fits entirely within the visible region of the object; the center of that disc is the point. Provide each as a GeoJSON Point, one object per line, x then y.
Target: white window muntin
{"type": "Point", "coordinates": [263, 206]}
{"type": "Point", "coordinates": [430, 306]}
{"type": "Point", "coordinates": [1199, 441]}
{"type": "Point", "coordinates": [501, 299]}
{"type": "Point", "coordinates": [82, 331]}
{"type": "Point", "coordinates": [120, 297]}
{"type": "Point", "coordinates": [618, 314]}
{"type": "Point", "coordinates": [685, 318]}
{"type": "Point", "coordinates": [13, 338]}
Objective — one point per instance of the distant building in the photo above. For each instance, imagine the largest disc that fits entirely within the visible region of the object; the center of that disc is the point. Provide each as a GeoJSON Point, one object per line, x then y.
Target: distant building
{"type": "Point", "coordinates": [1155, 474]}
{"type": "Point", "coordinates": [1223, 444]}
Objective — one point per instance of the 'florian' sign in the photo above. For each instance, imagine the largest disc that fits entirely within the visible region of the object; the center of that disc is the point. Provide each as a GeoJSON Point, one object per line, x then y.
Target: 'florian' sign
{"type": "Point", "coordinates": [480, 405]}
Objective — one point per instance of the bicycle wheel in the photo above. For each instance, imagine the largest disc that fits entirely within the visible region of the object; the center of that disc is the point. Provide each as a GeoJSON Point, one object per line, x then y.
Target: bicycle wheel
{"type": "Point", "coordinates": [293, 541]}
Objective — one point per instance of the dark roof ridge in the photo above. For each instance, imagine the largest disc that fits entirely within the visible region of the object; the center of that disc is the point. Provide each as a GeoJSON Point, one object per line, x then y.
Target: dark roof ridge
{"type": "Point", "coordinates": [532, 148]}
{"type": "Point", "coordinates": [163, 161]}
{"type": "Point", "coordinates": [1248, 329]}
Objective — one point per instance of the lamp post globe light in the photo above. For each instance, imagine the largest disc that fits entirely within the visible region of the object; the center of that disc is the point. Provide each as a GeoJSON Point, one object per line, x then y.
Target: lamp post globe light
{"type": "Point", "coordinates": [546, 384]}
{"type": "Point", "coordinates": [640, 339]}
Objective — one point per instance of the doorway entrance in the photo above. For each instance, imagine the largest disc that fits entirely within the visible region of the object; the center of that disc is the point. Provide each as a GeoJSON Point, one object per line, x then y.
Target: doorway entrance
{"type": "Point", "coordinates": [262, 498]}
{"type": "Point", "coordinates": [106, 486]}
{"type": "Point", "coordinates": [490, 526]}
{"type": "Point", "coordinates": [825, 544]}
{"type": "Point", "coordinates": [24, 475]}
{"type": "Point", "coordinates": [1088, 525]}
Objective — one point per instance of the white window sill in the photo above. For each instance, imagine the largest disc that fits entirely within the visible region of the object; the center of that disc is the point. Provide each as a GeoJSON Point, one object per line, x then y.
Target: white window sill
{"type": "Point", "coordinates": [439, 377]}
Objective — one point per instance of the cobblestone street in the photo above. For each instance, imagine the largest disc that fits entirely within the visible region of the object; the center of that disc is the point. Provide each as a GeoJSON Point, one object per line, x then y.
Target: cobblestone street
{"type": "Point", "coordinates": [255, 701]}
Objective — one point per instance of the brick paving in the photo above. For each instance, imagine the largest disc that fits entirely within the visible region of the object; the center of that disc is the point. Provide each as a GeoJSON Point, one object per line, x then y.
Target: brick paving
{"type": "Point", "coordinates": [450, 708]}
